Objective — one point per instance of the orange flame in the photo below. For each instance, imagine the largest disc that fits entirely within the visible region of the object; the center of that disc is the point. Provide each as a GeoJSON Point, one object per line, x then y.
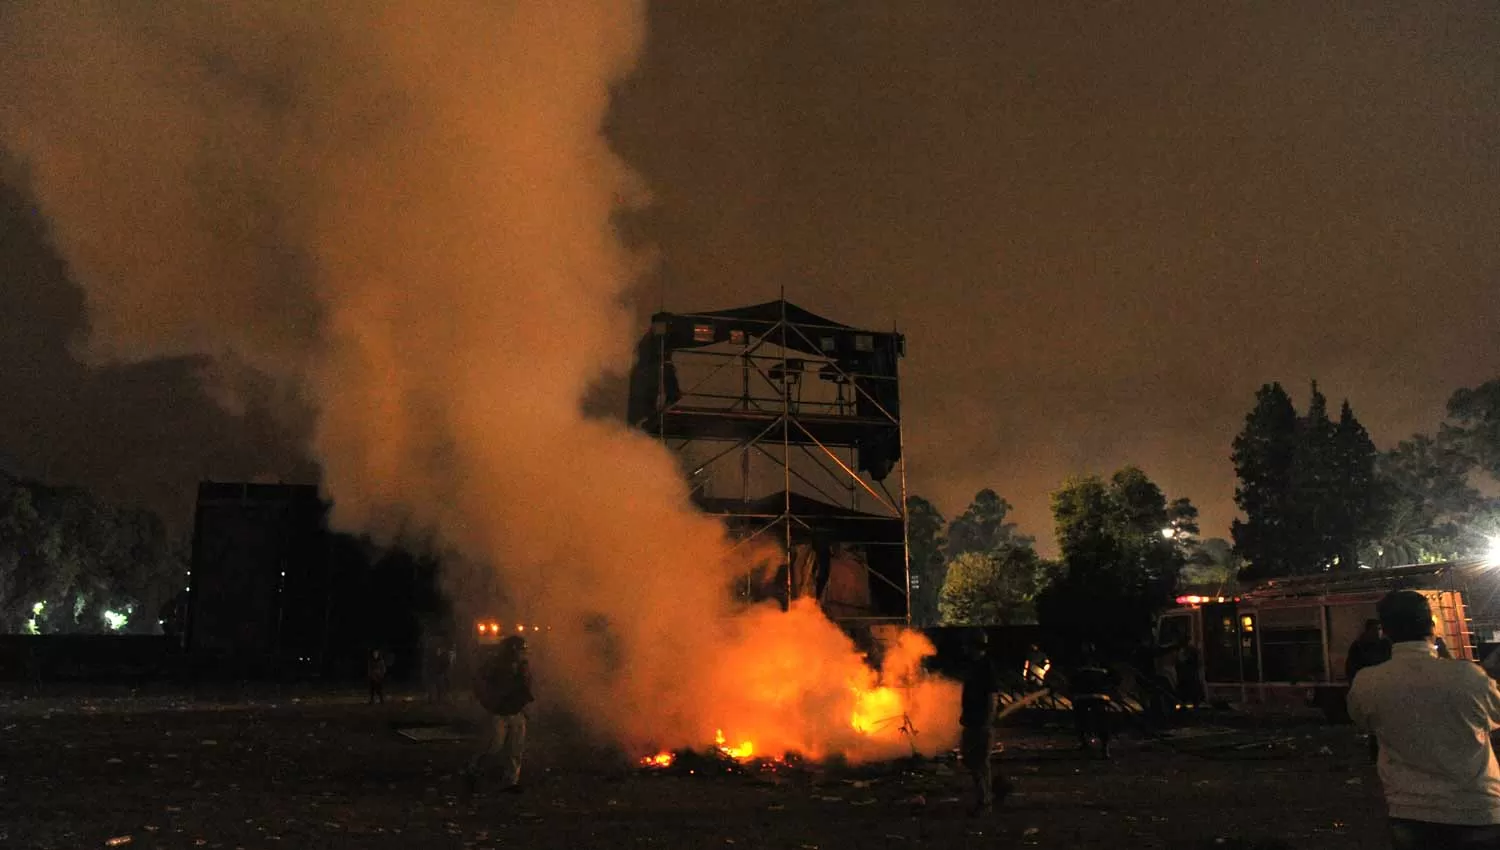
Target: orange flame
{"type": "Point", "coordinates": [791, 682]}
{"type": "Point", "coordinates": [744, 751]}
{"type": "Point", "coordinates": [659, 760]}
{"type": "Point", "coordinates": [877, 708]}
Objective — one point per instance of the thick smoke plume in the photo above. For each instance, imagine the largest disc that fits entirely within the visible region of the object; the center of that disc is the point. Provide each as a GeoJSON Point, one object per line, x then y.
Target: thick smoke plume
{"type": "Point", "coordinates": [402, 212]}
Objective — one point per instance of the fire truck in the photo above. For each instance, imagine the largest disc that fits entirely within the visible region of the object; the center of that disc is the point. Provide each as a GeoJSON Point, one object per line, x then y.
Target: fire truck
{"type": "Point", "coordinates": [1283, 643]}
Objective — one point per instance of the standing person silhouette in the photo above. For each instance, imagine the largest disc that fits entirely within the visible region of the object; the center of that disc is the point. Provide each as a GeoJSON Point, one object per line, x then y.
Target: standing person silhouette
{"type": "Point", "coordinates": [1433, 717]}
{"type": "Point", "coordinates": [503, 687]}
{"type": "Point", "coordinates": [977, 717]}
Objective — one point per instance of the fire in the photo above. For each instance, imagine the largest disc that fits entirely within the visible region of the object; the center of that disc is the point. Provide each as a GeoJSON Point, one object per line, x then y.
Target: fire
{"type": "Point", "coordinates": [877, 708]}
{"type": "Point", "coordinates": [791, 684]}
{"type": "Point", "coordinates": [744, 751]}
{"type": "Point", "coordinates": [659, 760]}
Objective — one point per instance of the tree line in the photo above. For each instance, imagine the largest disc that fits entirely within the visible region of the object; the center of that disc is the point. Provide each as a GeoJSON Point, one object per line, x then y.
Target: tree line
{"type": "Point", "coordinates": [70, 563]}
{"type": "Point", "coordinates": [1315, 493]}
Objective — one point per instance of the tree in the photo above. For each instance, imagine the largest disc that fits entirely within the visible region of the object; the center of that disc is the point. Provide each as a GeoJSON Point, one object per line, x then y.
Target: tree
{"type": "Point", "coordinates": [983, 527]}
{"type": "Point", "coordinates": [1264, 455]}
{"type": "Point", "coordinates": [1307, 487]}
{"type": "Point", "coordinates": [1360, 513]}
{"type": "Point", "coordinates": [991, 588]}
{"type": "Point", "coordinates": [1314, 496]}
{"type": "Point", "coordinates": [924, 534]}
{"type": "Point", "coordinates": [1182, 520]}
{"type": "Point", "coordinates": [998, 572]}
{"type": "Point", "coordinates": [1432, 512]}
{"type": "Point", "coordinates": [1214, 566]}
{"type": "Point", "coordinates": [1475, 425]}
{"type": "Point", "coordinates": [1117, 570]}
{"type": "Point", "coordinates": [69, 563]}
{"type": "Point", "coordinates": [20, 533]}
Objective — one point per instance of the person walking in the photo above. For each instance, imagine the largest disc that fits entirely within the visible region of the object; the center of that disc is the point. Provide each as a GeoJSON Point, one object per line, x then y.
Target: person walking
{"type": "Point", "coordinates": [440, 665]}
{"type": "Point", "coordinates": [503, 688]}
{"type": "Point", "coordinates": [375, 670]}
{"type": "Point", "coordinates": [1191, 691]}
{"type": "Point", "coordinates": [1092, 689]}
{"type": "Point", "coordinates": [1433, 718]}
{"type": "Point", "coordinates": [1165, 676]}
{"type": "Point", "coordinates": [977, 717]}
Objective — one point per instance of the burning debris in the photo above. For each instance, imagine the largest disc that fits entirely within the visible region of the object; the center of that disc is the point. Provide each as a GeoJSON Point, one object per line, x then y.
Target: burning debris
{"type": "Point", "coordinates": [783, 693]}
{"type": "Point", "coordinates": [719, 759]}
{"type": "Point", "coordinates": [878, 714]}
{"type": "Point", "coordinates": [659, 760]}
{"type": "Point", "coordinates": [741, 753]}
{"type": "Point", "coordinates": [722, 751]}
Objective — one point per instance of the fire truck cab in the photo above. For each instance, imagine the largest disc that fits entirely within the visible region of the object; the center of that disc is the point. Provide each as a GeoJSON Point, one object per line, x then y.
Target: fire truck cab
{"type": "Point", "coordinates": [1283, 643]}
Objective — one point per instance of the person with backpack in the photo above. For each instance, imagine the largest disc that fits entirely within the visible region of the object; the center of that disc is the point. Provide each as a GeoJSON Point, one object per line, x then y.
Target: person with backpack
{"type": "Point", "coordinates": [503, 688]}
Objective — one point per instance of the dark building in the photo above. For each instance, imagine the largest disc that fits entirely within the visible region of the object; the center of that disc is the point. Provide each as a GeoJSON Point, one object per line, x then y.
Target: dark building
{"type": "Point", "coordinates": [273, 587]}
{"type": "Point", "coordinates": [259, 583]}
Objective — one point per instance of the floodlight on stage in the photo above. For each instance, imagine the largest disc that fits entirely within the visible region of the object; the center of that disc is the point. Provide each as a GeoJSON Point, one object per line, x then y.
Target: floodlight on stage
{"type": "Point", "coordinates": [703, 333]}
{"type": "Point", "coordinates": [737, 337]}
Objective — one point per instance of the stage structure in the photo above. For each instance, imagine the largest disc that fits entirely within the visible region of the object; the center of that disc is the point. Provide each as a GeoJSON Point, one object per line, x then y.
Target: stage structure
{"type": "Point", "coordinates": [260, 582]}
{"type": "Point", "coordinates": [788, 426]}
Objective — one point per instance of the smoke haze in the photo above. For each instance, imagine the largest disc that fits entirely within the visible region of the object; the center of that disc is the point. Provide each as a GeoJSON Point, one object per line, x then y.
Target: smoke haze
{"type": "Point", "coordinates": [402, 213]}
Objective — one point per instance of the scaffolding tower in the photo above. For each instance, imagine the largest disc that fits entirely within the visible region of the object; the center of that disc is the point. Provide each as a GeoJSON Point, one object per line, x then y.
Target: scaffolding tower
{"type": "Point", "coordinates": [788, 426]}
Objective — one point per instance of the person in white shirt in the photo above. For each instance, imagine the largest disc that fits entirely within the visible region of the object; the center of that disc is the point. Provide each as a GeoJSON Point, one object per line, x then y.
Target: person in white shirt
{"type": "Point", "coordinates": [1433, 718]}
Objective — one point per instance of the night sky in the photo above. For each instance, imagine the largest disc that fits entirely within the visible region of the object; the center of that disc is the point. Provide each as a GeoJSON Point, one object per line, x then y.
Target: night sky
{"type": "Point", "coordinates": [1101, 229]}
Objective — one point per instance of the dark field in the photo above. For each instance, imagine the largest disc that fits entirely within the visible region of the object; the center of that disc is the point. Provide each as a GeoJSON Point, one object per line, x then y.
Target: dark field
{"type": "Point", "coordinates": [329, 771]}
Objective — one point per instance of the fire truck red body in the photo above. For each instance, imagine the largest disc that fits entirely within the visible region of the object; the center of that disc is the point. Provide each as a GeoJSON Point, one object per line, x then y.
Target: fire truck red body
{"type": "Point", "coordinates": [1283, 643]}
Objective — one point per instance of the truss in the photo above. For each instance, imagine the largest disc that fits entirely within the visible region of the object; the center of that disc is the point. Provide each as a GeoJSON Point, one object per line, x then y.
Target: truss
{"type": "Point", "coordinates": [788, 427]}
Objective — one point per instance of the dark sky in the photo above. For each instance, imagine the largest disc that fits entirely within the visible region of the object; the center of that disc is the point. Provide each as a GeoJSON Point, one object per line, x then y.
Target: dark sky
{"type": "Point", "coordinates": [1101, 229]}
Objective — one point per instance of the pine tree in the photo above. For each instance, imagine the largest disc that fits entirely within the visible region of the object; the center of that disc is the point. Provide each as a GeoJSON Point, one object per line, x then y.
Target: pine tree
{"type": "Point", "coordinates": [1307, 487]}
{"type": "Point", "coordinates": [1264, 455]}
{"type": "Point", "coordinates": [1315, 495]}
{"type": "Point", "coordinates": [1359, 514]}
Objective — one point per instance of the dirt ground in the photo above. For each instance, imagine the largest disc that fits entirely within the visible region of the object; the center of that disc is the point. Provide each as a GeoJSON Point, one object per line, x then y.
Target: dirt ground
{"type": "Point", "coordinates": [320, 770]}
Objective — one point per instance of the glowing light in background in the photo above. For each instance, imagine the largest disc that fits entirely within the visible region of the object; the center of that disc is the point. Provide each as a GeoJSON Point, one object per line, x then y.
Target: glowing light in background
{"type": "Point", "coordinates": [36, 611]}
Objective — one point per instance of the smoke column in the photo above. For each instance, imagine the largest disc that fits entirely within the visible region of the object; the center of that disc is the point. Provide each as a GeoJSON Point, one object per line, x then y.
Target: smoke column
{"type": "Point", "coordinates": [401, 211]}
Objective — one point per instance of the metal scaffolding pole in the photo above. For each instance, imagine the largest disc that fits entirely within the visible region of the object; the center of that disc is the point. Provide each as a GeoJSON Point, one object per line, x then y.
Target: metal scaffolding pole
{"type": "Point", "coordinates": [841, 437]}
